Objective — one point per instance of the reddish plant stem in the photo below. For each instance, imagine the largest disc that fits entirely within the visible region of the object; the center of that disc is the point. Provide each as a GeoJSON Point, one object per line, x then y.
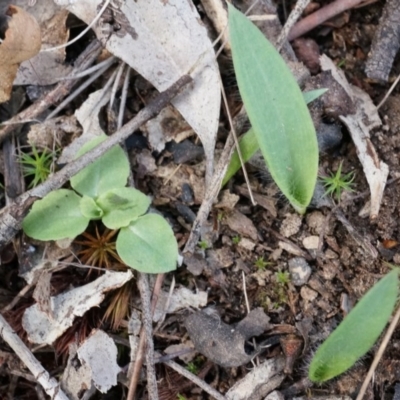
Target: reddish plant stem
{"type": "Point", "coordinates": [323, 14]}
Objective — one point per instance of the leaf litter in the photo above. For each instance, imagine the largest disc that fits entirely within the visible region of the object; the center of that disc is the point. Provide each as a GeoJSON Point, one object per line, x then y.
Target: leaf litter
{"type": "Point", "coordinates": [338, 264]}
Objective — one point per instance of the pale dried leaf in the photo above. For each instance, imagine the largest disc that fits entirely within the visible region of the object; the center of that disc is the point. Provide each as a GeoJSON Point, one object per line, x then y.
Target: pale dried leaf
{"type": "Point", "coordinates": [22, 41]}
{"type": "Point", "coordinates": [165, 41]}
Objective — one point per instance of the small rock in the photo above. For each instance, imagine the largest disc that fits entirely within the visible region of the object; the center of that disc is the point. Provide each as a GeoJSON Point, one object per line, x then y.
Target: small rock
{"type": "Point", "coordinates": [290, 225]}
{"type": "Point", "coordinates": [275, 395]}
{"type": "Point", "coordinates": [316, 220]}
{"type": "Point", "coordinates": [299, 270]}
{"type": "Point", "coordinates": [246, 244]}
{"type": "Point", "coordinates": [311, 242]}
{"type": "Point", "coordinates": [308, 294]}
{"type": "Point", "coordinates": [242, 225]}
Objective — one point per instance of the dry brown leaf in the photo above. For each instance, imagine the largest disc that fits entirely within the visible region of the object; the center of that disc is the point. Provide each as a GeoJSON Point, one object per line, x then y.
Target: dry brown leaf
{"type": "Point", "coordinates": [22, 41]}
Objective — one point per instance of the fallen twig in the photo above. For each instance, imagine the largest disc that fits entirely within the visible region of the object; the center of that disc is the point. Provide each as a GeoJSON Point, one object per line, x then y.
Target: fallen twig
{"type": "Point", "coordinates": [11, 216]}
{"type": "Point", "coordinates": [379, 354]}
{"type": "Point", "coordinates": [196, 380]}
{"type": "Point", "coordinates": [54, 96]}
{"type": "Point", "coordinates": [50, 385]}
{"type": "Point", "coordinates": [140, 351]}
{"type": "Point", "coordinates": [323, 14]}
{"type": "Point", "coordinates": [143, 285]}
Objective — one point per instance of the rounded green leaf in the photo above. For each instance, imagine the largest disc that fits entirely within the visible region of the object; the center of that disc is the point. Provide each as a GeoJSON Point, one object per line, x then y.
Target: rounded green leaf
{"type": "Point", "coordinates": [358, 332]}
{"type": "Point", "coordinates": [110, 171]}
{"type": "Point", "coordinates": [148, 245]}
{"type": "Point", "coordinates": [121, 206]}
{"type": "Point", "coordinates": [277, 111]}
{"type": "Point", "coordinates": [56, 216]}
{"type": "Point", "coordinates": [89, 208]}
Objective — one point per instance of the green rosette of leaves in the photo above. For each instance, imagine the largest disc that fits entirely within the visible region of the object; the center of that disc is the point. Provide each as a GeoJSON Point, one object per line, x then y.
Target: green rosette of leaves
{"type": "Point", "coordinates": [278, 114]}
{"type": "Point", "coordinates": [145, 242]}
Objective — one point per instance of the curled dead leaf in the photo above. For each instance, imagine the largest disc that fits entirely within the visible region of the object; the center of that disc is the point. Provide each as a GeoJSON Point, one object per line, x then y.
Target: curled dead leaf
{"type": "Point", "coordinates": [22, 41]}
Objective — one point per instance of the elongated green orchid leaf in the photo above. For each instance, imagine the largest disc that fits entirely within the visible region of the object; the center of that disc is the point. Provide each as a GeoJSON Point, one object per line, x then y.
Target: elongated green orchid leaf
{"type": "Point", "coordinates": [56, 216]}
{"type": "Point", "coordinates": [277, 111]}
{"type": "Point", "coordinates": [148, 245]}
{"type": "Point", "coordinates": [248, 142]}
{"type": "Point", "coordinates": [121, 206]}
{"type": "Point", "coordinates": [358, 331]}
{"type": "Point", "coordinates": [110, 171]}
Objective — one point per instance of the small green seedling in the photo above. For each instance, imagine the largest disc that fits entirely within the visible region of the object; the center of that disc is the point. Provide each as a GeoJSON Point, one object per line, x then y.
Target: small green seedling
{"type": "Point", "coordinates": [236, 239]}
{"type": "Point", "coordinates": [337, 183]}
{"type": "Point", "coordinates": [37, 165]}
{"type": "Point", "coordinates": [277, 111]}
{"type": "Point", "coordinates": [261, 263]}
{"type": "Point", "coordinates": [358, 332]}
{"type": "Point", "coordinates": [282, 277]}
{"type": "Point", "coordinates": [145, 242]}
{"type": "Point", "coordinates": [203, 244]}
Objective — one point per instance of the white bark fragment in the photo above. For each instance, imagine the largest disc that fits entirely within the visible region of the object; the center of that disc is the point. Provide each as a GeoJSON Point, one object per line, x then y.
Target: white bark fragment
{"type": "Point", "coordinates": [65, 307]}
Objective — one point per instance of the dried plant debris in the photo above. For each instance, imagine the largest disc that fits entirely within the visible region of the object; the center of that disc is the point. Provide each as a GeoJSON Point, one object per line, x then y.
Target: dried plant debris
{"type": "Point", "coordinates": [93, 363]}
{"type": "Point", "coordinates": [166, 40]}
{"type": "Point", "coordinates": [66, 306]}
{"type": "Point", "coordinates": [259, 382]}
{"type": "Point", "coordinates": [22, 41]}
{"type": "Point", "coordinates": [88, 116]}
{"type": "Point", "coordinates": [225, 344]}
{"type": "Point", "coordinates": [386, 43]}
{"type": "Point", "coordinates": [47, 67]}
{"type": "Point", "coordinates": [180, 299]}
{"type": "Point", "coordinates": [360, 126]}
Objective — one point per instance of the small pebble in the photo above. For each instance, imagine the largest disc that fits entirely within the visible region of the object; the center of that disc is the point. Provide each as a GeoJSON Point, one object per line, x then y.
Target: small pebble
{"type": "Point", "coordinates": [308, 294]}
{"type": "Point", "coordinates": [290, 225]}
{"type": "Point", "coordinates": [311, 242]}
{"type": "Point", "coordinates": [299, 270]}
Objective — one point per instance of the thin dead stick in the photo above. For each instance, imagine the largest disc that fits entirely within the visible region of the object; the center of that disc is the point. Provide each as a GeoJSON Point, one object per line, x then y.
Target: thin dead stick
{"type": "Point", "coordinates": [140, 351]}
{"type": "Point", "coordinates": [389, 92]}
{"type": "Point", "coordinates": [211, 194]}
{"type": "Point", "coordinates": [196, 380]}
{"type": "Point", "coordinates": [49, 384]}
{"type": "Point", "coordinates": [379, 354]}
{"type": "Point", "coordinates": [86, 59]}
{"type": "Point", "coordinates": [143, 286]}
{"type": "Point", "coordinates": [11, 216]}
{"type": "Point", "coordinates": [239, 152]}
{"type": "Point", "coordinates": [312, 21]}
{"type": "Point", "coordinates": [293, 17]}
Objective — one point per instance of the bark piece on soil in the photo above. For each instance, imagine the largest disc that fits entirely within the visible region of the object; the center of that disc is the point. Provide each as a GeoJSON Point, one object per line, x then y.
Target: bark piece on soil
{"type": "Point", "coordinates": [242, 225]}
{"type": "Point", "coordinates": [360, 125]}
{"type": "Point", "coordinates": [93, 363]}
{"type": "Point", "coordinates": [225, 344]}
{"type": "Point", "coordinates": [386, 43]}
{"type": "Point", "coordinates": [66, 306]}
{"type": "Point", "coordinates": [259, 382]}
